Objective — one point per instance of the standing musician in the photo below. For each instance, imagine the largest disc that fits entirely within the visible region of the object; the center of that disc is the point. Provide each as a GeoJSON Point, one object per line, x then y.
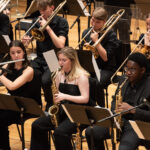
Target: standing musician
{"type": "Point", "coordinates": [107, 49]}
{"type": "Point", "coordinates": [55, 37]}
{"type": "Point", "coordinates": [21, 81]}
{"type": "Point", "coordinates": [5, 25]}
{"type": "Point", "coordinates": [72, 82]}
{"type": "Point", "coordinates": [133, 91]}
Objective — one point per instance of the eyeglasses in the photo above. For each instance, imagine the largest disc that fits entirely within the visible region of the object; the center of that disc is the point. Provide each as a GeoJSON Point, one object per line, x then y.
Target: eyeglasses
{"type": "Point", "coordinates": [132, 70]}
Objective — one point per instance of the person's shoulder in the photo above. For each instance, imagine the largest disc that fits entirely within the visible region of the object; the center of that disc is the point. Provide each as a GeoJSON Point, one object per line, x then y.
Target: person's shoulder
{"type": "Point", "coordinates": [29, 69]}
{"type": "Point", "coordinates": [60, 19]}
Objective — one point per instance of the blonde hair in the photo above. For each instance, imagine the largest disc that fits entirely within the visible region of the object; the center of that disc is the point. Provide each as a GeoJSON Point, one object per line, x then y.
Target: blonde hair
{"type": "Point", "coordinates": [100, 13]}
{"type": "Point", "coordinates": [76, 68]}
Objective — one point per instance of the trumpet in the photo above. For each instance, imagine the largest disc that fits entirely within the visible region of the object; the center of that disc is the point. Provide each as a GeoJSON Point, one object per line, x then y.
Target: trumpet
{"type": "Point", "coordinates": [103, 31]}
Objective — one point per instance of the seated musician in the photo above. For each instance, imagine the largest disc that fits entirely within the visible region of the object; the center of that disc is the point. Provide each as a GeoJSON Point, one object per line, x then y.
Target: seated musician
{"type": "Point", "coordinates": [144, 47]}
{"type": "Point", "coordinates": [55, 34]}
{"type": "Point", "coordinates": [146, 40]}
{"type": "Point", "coordinates": [133, 91]}
{"type": "Point", "coordinates": [21, 81]}
{"type": "Point", "coordinates": [72, 83]}
{"type": "Point", "coordinates": [107, 49]}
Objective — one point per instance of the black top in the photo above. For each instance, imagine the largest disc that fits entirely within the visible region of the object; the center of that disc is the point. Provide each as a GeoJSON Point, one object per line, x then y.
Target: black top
{"type": "Point", "coordinates": [28, 90]}
{"type": "Point", "coordinates": [71, 89]}
{"type": "Point", "coordinates": [60, 27]}
{"type": "Point", "coordinates": [5, 26]}
{"type": "Point", "coordinates": [111, 44]}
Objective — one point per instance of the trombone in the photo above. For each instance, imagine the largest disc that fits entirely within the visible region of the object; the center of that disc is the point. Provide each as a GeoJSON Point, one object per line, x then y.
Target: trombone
{"type": "Point", "coordinates": [38, 33]}
{"type": "Point", "coordinates": [3, 4]}
{"type": "Point", "coordinates": [105, 29]}
{"type": "Point", "coordinates": [111, 79]}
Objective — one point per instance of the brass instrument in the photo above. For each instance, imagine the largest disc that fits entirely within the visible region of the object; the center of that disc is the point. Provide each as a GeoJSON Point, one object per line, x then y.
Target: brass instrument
{"type": "Point", "coordinates": [38, 33]}
{"type": "Point", "coordinates": [105, 29]}
{"type": "Point", "coordinates": [3, 4]}
{"type": "Point", "coordinates": [127, 58]}
{"type": "Point", "coordinates": [119, 99]}
{"type": "Point", "coordinates": [54, 109]}
{"type": "Point", "coordinates": [78, 138]}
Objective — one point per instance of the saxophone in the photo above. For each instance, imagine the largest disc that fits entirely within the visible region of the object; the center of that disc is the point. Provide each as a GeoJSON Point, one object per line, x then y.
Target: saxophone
{"type": "Point", "coordinates": [119, 118]}
{"type": "Point", "coordinates": [78, 138]}
{"type": "Point", "coordinates": [119, 99]}
{"type": "Point", "coordinates": [54, 109]}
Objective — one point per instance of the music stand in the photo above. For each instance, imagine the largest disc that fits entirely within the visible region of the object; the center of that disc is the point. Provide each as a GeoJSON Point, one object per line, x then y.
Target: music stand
{"type": "Point", "coordinates": [141, 128]}
{"type": "Point", "coordinates": [89, 63]}
{"type": "Point", "coordinates": [4, 42]}
{"type": "Point", "coordinates": [75, 8]}
{"type": "Point", "coordinates": [22, 105]}
{"type": "Point", "coordinates": [85, 59]}
{"type": "Point", "coordinates": [91, 116]}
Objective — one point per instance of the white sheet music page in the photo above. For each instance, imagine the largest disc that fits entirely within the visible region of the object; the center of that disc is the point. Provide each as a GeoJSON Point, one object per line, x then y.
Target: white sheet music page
{"type": "Point", "coordinates": [86, 13]}
{"type": "Point", "coordinates": [51, 60]}
{"type": "Point", "coordinates": [97, 70]}
{"type": "Point", "coordinates": [7, 39]}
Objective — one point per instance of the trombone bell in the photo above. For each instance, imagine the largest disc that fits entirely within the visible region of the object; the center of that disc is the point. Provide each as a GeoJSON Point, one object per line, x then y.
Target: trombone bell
{"type": "Point", "coordinates": [89, 47]}
{"type": "Point", "coordinates": [38, 34]}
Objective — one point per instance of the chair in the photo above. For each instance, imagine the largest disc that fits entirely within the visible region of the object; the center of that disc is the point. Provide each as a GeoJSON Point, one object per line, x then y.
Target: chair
{"type": "Point", "coordinates": [22, 25]}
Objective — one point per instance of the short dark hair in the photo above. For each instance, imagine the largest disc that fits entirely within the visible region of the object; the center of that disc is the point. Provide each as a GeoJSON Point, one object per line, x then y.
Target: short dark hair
{"type": "Point", "coordinates": [140, 59]}
{"type": "Point", "coordinates": [42, 4]}
{"type": "Point", "coordinates": [100, 14]}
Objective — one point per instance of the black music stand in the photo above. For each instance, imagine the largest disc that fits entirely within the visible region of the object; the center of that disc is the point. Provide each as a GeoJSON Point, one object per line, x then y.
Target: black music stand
{"type": "Point", "coordinates": [85, 59]}
{"type": "Point", "coordinates": [74, 7]}
{"type": "Point", "coordinates": [141, 128]}
{"type": "Point", "coordinates": [4, 48]}
{"type": "Point", "coordinates": [22, 105]}
{"type": "Point", "coordinates": [91, 116]}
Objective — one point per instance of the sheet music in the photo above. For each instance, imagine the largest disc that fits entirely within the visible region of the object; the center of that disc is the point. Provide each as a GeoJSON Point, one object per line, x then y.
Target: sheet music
{"type": "Point", "coordinates": [27, 20]}
{"type": "Point", "coordinates": [7, 39]}
{"type": "Point", "coordinates": [97, 70]}
{"type": "Point", "coordinates": [86, 13]}
{"type": "Point", "coordinates": [51, 60]}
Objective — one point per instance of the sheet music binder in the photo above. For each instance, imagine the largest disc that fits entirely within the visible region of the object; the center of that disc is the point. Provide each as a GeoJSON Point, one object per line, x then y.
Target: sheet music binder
{"type": "Point", "coordinates": [141, 128]}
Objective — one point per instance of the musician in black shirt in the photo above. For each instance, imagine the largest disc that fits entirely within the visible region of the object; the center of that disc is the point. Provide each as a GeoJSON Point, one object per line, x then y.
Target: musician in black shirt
{"type": "Point", "coordinates": [55, 37]}
{"type": "Point", "coordinates": [133, 91]}
{"type": "Point", "coordinates": [107, 49]}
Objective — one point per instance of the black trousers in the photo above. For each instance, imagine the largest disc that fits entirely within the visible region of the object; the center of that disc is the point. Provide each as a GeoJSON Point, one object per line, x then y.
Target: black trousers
{"type": "Point", "coordinates": [7, 118]}
{"type": "Point", "coordinates": [129, 139]}
{"type": "Point", "coordinates": [62, 134]}
{"type": "Point", "coordinates": [46, 80]}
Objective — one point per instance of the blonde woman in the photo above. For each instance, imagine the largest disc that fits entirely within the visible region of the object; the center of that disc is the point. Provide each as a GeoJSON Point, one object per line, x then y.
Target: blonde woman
{"type": "Point", "coordinates": [72, 82]}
